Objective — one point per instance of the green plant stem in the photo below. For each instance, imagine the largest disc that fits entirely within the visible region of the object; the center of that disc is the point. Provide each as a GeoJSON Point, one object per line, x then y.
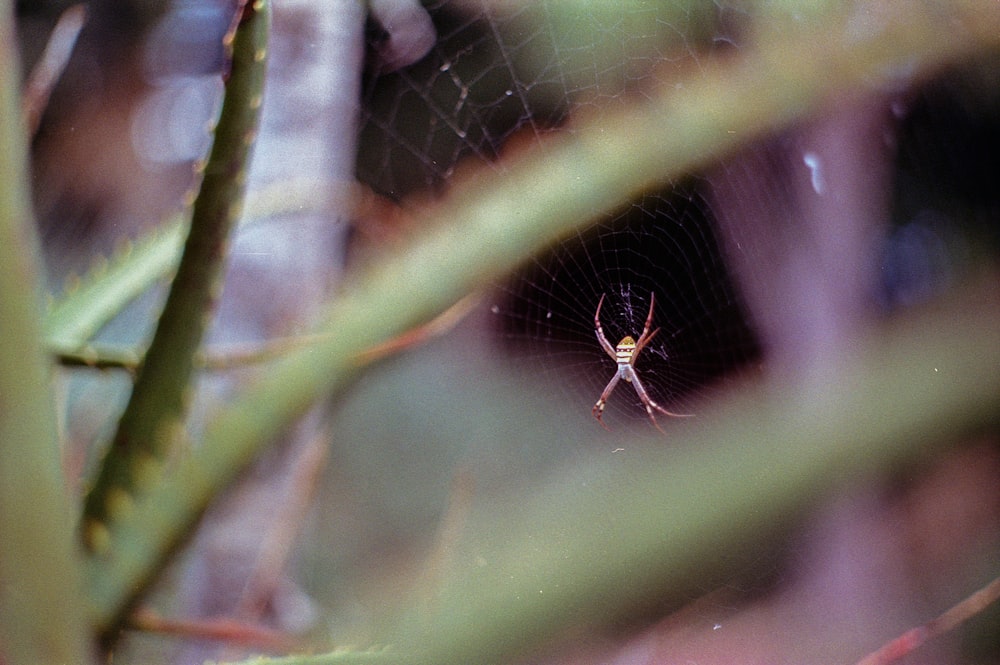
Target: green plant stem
{"type": "Point", "coordinates": [495, 223]}
{"type": "Point", "coordinates": [152, 423]}
{"type": "Point", "coordinates": [659, 525]}
{"type": "Point", "coordinates": [94, 299]}
{"type": "Point", "coordinates": [99, 356]}
{"type": "Point", "coordinates": [110, 356]}
{"type": "Point", "coordinates": [42, 616]}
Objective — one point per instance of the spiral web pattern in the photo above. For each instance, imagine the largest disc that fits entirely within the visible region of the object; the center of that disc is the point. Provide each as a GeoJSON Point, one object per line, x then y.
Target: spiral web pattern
{"type": "Point", "coordinates": [663, 245]}
{"type": "Point", "coordinates": [512, 67]}
{"type": "Point", "coordinates": [491, 76]}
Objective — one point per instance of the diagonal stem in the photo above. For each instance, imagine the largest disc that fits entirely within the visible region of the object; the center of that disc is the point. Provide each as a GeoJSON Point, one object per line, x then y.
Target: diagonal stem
{"type": "Point", "coordinates": [152, 423]}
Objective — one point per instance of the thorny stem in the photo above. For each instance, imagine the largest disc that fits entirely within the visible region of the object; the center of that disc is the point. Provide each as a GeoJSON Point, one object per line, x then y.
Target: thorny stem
{"type": "Point", "coordinates": [493, 224]}
{"type": "Point", "coordinates": [152, 423]}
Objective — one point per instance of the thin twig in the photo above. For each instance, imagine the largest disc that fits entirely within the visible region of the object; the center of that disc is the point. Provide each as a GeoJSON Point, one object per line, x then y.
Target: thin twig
{"type": "Point", "coordinates": [100, 356]}
{"type": "Point", "coordinates": [449, 533]}
{"type": "Point", "coordinates": [915, 637]}
{"type": "Point", "coordinates": [288, 520]}
{"type": "Point", "coordinates": [222, 629]}
{"type": "Point", "coordinates": [51, 65]}
{"type": "Point", "coordinates": [436, 327]}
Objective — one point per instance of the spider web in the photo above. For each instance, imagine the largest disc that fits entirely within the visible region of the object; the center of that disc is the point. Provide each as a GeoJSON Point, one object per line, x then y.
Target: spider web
{"type": "Point", "coordinates": [490, 77]}
{"type": "Point", "coordinates": [812, 268]}
{"type": "Point", "coordinates": [495, 72]}
{"type": "Point", "coordinates": [523, 69]}
{"type": "Point", "coordinates": [661, 245]}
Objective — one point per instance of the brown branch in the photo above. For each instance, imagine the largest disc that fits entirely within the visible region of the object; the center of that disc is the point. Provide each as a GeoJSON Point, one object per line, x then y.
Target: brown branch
{"type": "Point", "coordinates": [51, 65]}
{"type": "Point", "coordinates": [222, 629]}
{"type": "Point", "coordinates": [914, 638]}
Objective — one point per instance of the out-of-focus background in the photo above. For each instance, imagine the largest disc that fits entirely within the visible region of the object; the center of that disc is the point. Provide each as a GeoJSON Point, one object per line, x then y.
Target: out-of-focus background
{"type": "Point", "coordinates": [767, 262]}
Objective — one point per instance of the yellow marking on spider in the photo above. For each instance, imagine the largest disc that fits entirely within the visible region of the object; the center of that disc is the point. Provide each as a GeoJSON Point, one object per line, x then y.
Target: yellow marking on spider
{"type": "Point", "coordinates": [624, 355]}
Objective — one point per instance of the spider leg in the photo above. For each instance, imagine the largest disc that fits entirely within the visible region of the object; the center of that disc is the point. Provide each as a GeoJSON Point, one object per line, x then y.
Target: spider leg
{"type": "Point", "coordinates": [598, 409]}
{"type": "Point", "coordinates": [646, 335]}
{"type": "Point", "coordinates": [643, 341]}
{"type": "Point", "coordinates": [632, 376]}
{"type": "Point", "coordinates": [605, 344]}
{"type": "Point", "coordinates": [649, 317]}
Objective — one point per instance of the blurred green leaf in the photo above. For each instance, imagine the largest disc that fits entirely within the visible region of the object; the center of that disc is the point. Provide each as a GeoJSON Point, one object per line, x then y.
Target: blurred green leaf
{"type": "Point", "coordinates": [493, 223]}
{"type": "Point", "coordinates": [42, 618]}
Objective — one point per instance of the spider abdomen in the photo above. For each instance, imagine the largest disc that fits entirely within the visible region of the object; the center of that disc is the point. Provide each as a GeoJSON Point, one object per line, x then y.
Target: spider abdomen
{"type": "Point", "coordinates": [625, 350]}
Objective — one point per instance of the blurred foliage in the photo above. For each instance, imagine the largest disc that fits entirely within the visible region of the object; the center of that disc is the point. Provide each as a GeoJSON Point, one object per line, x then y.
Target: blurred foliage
{"type": "Point", "coordinates": [593, 543]}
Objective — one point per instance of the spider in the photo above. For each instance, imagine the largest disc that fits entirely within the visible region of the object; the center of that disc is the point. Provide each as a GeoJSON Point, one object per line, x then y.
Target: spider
{"type": "Point", "coordinates": [625, 354]}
